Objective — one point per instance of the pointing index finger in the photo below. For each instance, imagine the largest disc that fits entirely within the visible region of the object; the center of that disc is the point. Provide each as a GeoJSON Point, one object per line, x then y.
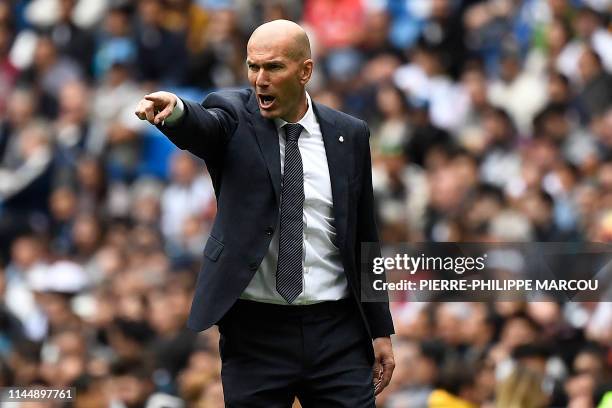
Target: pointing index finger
{"type": "Point", "coordinates": [153, 98]}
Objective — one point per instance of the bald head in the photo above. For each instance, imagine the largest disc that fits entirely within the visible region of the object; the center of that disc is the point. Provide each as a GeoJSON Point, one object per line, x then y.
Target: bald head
{"type": "Point", "coordinates": [284, 34]}
{"type": "Point", "coordinates": [279, 67]}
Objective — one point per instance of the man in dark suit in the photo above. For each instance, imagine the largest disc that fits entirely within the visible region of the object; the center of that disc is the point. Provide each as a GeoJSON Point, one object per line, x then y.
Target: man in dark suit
{"type": "Point", "coordinates": [281, 273]}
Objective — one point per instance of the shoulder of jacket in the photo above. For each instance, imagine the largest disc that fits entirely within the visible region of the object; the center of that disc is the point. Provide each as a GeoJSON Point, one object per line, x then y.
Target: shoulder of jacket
{"type": "Point", "coordinates": [342, 119]}
{"type": "Point", "coordinates": [234, 97]}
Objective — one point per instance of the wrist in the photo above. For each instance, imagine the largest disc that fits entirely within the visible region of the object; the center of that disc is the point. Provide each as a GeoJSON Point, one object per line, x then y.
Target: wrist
{"type": "Point", "coordinates": [177, 112]}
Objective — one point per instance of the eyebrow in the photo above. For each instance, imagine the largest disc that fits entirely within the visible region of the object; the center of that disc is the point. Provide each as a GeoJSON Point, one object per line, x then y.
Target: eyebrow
{"type": "Point", "coordinates": [266, 63]}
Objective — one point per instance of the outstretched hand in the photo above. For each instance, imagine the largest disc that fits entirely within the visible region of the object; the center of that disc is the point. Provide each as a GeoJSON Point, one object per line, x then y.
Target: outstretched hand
{"type": "Point", "coordinates": [383, 363]}
{"type": "Point", "coordinates": [156, 107]}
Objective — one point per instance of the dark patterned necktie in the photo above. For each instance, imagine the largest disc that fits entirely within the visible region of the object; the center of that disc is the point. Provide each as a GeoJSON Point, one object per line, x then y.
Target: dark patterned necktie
{"type": "Point", "coordinates": [289, 270]}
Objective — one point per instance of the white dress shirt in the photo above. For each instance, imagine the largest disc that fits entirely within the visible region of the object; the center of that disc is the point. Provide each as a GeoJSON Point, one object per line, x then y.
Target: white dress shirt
{"type": "Point", "coordinates": [323, 277]}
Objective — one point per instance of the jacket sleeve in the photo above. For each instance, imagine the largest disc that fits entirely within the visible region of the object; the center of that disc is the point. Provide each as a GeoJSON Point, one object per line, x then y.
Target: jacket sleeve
{"type": "Point", "coordinates": [377, 313]}
{"type": "Point", "coordinates": [204, 129]}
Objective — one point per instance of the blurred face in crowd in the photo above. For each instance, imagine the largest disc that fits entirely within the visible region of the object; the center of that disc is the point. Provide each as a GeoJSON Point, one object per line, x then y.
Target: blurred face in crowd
{"type": "Point", "coordinates": [579, 389]}
{"type": "Point", "coordinates": [476, 86]}
{"type": "Point", "coordinates": [558, 89]}
{"type": "Point", "coordinates": [184, 169]}
{"type": "Point", "coordinates": [517, 331]}
{"type": "Point", "coordinates": [544, 153]}
{"type": "Point", "coordinates": [481, 210]}
{"type": "Point", "coordinates": [586, 24]}
{"type": "Point", "coordinates": [558, 7]}
{"type": "Point", "coordinates": [57, 309]}
{"type": "Point", "coordinates": [531, 174]}
{"type": "Point", "coordinates": [73, 100]}
{"type": "Point", "coordinates": [86, 233]}
{"type": "Point", "coordinates": [117, 74]}
{"type": "Point", "coordinates": [117, 23]}
{"type": "Point", "coordinates": [510, 67]}
{"type": "Point", "coordinates": [162, 317]}
{"type": "Point", "coordinates": [131, 307]}
{"type": "Point", "coordinates": [279, 66]}
{"type": "Point", "coordinates": [45, 53]}
{"type": "Point", "coordinates": [149, 11]}
{"type": "Point", "coordinates": [440, 8]}
{"type": "Point", "coordinates": [394, 163]}
{"type": "Point", "coordinates": [591, 363]}
{"type": "Point", "coordinates": [70, 342]}
{"type": "Point", "coordinates": [446, 189]}
{"type": "Point", "coordinates": [222, 25]}
{"type": "Point", "coordinates": [546, 313]}
{"type": "Point", "coordinates": [26, 252]}
{"type": "Point", "coordinates": [466, 168]}
{"type": "Point", "coordinates": [390, 101]}
{"type": "Point", "coordinates": [557, 36]}
{"type": "Point", "coordinates": [536, 208]}
{"type": "Point", "coordinates": [449, 320]}
{"type": "Point", "coordinates": [377, 27]}
{"type": "Point", "coordinates": [147, 239]}
{"type": "Point", "coordinates": [497, 128]}
{"type": "Point", "coordinates": [21, 108]}
{"type": "Point", "coordinates": [567, 176]}
{"type": "Point", "coordinates": [146, 209]}
{"type": "Point", "coordinates": [475, 329]}
{"type": "Point", "coordinates": [63, 204]}
{"type": "Point", "coordinates": [588, 65]}
{"type": "Point", "coordinates": [130, 389]}
{"type": "Point", "coordinates": [428, 61]}
{"type": "Point", "coordinates": [65, 371]}
{"type": "Point", "coordinates": [5, 12]}
{"type": "Point", "coordinates": [65, 9]}
{"type": "Point", "coordinates": [90, 174]}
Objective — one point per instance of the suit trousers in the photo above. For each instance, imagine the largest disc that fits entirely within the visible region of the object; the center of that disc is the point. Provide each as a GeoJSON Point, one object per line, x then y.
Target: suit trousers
{"type": "Point", "coordinates": [272, 354]}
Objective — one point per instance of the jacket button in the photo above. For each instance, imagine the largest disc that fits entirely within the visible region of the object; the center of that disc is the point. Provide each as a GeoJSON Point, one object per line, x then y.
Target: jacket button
{"type": "Point", "coordinates": [253, 266]}
{"type": "Point", "coordinates": [269, 231]}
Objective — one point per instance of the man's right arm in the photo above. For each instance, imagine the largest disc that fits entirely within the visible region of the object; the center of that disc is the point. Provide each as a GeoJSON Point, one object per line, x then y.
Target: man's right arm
{"type": "Point", "coordinates": [189, 125]}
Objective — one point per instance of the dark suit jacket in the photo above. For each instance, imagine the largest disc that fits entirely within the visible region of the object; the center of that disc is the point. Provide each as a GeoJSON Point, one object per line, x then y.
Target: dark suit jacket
{"type": "Point", "coordinates": [241, 151]}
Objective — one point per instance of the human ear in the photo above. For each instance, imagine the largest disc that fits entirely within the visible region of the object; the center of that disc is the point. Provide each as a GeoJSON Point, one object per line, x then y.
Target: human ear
{"type": "Point", "coordinates": [306, 71]}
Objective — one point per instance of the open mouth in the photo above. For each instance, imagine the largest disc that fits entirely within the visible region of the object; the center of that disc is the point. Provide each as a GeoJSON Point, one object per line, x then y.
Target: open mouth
{"type": "Point", "coordinates": [266, 101]}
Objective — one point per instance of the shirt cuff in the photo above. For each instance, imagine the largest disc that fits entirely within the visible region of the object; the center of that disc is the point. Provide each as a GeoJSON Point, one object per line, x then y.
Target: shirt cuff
{"type": "Point", "coordinates": [177, 113]}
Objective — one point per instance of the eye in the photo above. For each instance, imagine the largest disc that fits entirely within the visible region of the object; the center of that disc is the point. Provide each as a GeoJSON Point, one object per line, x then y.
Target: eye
{"type": "Point", "coordinates": [253, 67]}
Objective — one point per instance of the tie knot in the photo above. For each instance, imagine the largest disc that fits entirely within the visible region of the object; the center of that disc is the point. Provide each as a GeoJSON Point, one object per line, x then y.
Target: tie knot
{"type": "Point", "coordinates": [293, 131]}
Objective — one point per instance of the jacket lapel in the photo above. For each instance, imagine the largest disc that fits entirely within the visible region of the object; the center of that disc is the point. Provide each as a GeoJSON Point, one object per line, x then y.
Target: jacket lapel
{"type": "Point", "coordinates": [267, 138]}
{"type": "Point", "coordinates": [338, 163]}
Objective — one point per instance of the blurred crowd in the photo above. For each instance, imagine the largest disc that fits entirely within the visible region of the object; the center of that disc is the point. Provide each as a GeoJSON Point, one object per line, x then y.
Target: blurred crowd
{"type": "Point", "coordinates": [491, 121]}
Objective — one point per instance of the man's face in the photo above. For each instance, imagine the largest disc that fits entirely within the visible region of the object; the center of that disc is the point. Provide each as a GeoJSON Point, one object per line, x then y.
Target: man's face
{"type": "Point", "coordinates": [277, 78]}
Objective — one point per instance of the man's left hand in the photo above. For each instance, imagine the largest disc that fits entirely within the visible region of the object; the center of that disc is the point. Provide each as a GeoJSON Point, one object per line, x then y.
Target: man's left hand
{"type": "Point", "coordinates": [383, 363]}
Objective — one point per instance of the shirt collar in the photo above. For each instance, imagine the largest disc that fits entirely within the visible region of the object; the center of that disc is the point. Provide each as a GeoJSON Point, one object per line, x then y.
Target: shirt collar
{"type": "Point", "coordinates": [308, 121]}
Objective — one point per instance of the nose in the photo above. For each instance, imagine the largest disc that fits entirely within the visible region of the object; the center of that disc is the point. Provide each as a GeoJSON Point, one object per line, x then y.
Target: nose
{"type": "Point", "coordinates": [262, 79]}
